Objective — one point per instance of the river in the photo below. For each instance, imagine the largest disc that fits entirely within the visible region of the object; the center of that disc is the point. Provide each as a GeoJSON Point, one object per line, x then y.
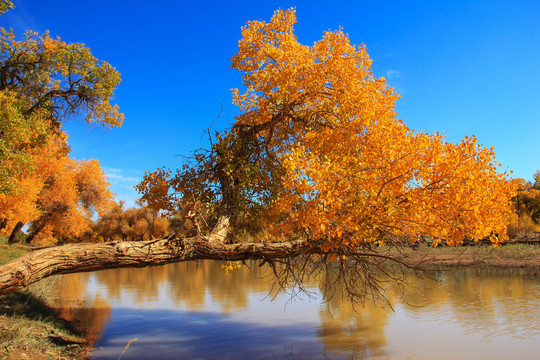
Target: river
{"type": "Point", "coordinates": [197, 311]}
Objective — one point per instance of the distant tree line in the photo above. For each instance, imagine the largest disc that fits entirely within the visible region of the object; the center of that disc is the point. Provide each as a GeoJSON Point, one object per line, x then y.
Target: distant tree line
{"type": "Point", "coordinates": [525, 221]}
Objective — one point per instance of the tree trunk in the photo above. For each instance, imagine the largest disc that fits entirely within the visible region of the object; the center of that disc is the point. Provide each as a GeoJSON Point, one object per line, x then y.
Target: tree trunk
{"type": "Point", "coordinates": [72, 258]}
{"type": "Point", "coordinates": [35, 231]}
{"type": "Point", "coordinates": [14, 232]}
{"type": "Point", "coordinates": [3, 223]}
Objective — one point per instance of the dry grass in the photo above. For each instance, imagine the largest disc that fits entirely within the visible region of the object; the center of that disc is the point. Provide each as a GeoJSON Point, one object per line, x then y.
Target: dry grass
{"type": "Point", "coordinates": [29, 328]}
{"type": "Point", "coordinates": [509, 255]}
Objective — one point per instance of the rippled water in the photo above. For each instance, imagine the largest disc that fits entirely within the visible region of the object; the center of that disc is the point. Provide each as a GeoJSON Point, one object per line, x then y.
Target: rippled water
{"type": "Point", "coordinates": [196, 311]}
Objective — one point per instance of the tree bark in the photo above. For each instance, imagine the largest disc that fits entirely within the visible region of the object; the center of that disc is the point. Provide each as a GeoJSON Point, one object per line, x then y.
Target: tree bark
{"type": "Point", "coordinates": [14, 232]}
{"type": "Point", "coordinates": [36, 231]}
{"type": "Point", "coordinates": [72, 258]}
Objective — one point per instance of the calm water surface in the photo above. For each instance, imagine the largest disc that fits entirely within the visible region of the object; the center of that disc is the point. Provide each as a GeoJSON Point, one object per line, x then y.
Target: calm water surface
{"type": "Point", "coordinates": [196, 311]}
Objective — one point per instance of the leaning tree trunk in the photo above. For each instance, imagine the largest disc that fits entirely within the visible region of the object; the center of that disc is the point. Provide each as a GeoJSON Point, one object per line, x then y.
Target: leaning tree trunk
{"type": "Point", "coordinates": [37, 229]}
{"type": "Point", "coordinates": [14, 232]}
{"type": "Point", "coordinates": [72, 258]}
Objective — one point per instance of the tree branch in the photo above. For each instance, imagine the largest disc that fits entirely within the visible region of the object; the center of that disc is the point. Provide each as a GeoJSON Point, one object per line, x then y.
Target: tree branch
{"type": "Point", "coordinates": [72, 258]}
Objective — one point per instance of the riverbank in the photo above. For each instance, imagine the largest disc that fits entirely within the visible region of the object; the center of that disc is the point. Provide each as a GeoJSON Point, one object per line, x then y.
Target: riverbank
{"type": "Point", "coordinates": [30, 328]}
{"type": "Point", "coordinates": [505, 256]}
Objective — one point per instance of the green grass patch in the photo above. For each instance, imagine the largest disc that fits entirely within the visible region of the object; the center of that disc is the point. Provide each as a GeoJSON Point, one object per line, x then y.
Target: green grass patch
{"type": "Point", "coordinates": [10, 252]}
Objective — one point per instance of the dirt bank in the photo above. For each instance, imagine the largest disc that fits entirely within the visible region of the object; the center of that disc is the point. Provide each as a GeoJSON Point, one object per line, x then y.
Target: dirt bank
{"type": "Point", "coordinates": [510, 255]}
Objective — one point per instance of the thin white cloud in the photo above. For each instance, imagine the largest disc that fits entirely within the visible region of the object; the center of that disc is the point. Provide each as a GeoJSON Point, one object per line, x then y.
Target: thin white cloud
{"type": "Point", "coordinates": [123, 184]}
{"type": "Point", "coordinates": [114, 171]}
{"type": "Point", "coordinates": [392, 74]}
{"type": "Point", "coordinates": [21, 20]}
{"type": "Point", "coordinates": [121, 179]}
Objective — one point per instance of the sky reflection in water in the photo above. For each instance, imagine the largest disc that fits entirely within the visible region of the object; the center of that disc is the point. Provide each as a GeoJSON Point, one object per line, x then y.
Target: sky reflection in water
{"type": "Point", "coordinates": [196, 311]}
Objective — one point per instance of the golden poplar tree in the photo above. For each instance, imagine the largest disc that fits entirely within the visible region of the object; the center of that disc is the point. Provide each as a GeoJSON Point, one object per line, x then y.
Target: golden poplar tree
{"type": "Point", "coordinates": [319, 152]}
{"type": "Point", "coordinates": [44, 81]}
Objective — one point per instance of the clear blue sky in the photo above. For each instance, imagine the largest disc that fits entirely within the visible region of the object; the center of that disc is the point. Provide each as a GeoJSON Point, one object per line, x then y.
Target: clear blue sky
{"type": "Point", "coordinates": [462, 67]}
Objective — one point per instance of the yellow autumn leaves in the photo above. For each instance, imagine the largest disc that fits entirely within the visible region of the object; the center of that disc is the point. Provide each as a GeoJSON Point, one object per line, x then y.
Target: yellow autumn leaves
{"type": "Point", "coordinates": [355, 172]}
{"type": "Point", "coordinates": [44, 82]}
{"type": "Point", "coordinates": [319, 152]}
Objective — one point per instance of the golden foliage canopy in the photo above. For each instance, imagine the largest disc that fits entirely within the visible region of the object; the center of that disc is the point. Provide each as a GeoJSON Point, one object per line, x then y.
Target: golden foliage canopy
{"type": "Point", "coordinates": [44, 81]}
{"type": "Point", "coordinates": [61, 78]}
{"type": "Point", "coordinates": [319, 152]}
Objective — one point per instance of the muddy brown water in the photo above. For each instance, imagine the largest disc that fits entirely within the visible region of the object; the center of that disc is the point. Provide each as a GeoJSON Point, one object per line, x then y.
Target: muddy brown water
{"type": "Point", "coordinates": [197, 311]}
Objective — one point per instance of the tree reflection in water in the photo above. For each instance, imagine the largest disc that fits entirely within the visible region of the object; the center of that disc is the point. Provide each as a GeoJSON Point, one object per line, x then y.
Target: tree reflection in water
{"type": "Point", "coordinates": [186, 307]}
{"type": "Point", "coordinates": [88, 315]}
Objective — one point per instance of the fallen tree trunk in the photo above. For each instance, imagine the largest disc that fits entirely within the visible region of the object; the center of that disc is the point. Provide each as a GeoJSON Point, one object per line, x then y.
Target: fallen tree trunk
{"type": "Point", "coordinates": [72, 258]}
